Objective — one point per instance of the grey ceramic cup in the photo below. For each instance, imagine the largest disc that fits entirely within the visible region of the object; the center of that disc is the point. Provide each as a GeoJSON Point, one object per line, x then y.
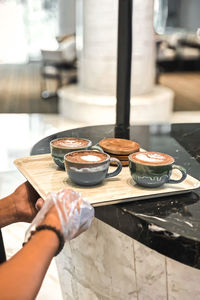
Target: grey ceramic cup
{"type": "Point", "coordinates": [151, 175]}
{"type": "Point", "coordinates": [58, 152]}
{"type": "Point", "coordinates": [90, 173]}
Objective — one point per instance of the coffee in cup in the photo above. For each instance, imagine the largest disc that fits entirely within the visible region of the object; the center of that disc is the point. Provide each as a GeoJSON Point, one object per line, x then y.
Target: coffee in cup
{"type": "Point", "coordinates": [153, 169]}
{"type": "Point", "coordinates": [71, 143]}
{"type": "Point", "coordinates": [89, 167]}
{"type": "Point", "coordinates": [61, 146]}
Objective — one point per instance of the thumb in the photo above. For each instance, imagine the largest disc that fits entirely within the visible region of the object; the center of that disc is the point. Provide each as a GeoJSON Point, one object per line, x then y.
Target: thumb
{"type": "Point", "coordinates": [39, 203]}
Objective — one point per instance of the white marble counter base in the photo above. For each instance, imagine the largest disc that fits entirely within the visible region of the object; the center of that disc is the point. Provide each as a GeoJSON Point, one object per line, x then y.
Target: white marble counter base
{"type": "Point", "coordinates": [104, 264]}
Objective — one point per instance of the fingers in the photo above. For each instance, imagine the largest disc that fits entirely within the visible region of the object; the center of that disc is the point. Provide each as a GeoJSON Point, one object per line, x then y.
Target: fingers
{"type": "Point", "coordinates": [66, 210]}
{"type": "Point", "coordinates": [39, 203]}
{"type": "Point", "coordinates": [32, 192]}
{"type": "Point", "coordinates": [75, 214]}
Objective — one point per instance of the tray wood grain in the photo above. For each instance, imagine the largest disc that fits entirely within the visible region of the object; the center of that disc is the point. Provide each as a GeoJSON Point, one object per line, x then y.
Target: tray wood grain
{"type": "Point", "coordinates": [45, 176]}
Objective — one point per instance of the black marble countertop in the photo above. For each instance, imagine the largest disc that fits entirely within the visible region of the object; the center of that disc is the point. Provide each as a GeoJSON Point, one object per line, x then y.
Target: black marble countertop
{"type": "Point", "coordinates": [169, 225]}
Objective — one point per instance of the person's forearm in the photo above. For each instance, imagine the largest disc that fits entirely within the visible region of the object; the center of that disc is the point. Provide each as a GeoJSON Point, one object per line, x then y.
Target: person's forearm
{"type": "Point", "coordinates": [22, 275]}
{"type": "Point", "coordinates": [7, 211]}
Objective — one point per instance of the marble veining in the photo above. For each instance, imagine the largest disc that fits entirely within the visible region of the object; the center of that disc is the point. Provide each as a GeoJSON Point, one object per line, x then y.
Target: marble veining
{"type": "Point", "coordinates": [98, 265]}
{"type": "Point", "coordinates": [105, 264]}
{"type": "Point", "coordinates": [178, 214]}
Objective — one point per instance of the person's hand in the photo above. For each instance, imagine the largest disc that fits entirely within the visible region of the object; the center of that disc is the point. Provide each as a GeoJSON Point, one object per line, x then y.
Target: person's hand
{"type": "Point", "coordinates": [27, 202]}
{"type": "Point", "coordinates": [67, 211]}
{"type": "Point", "coordinates": [70, 213]}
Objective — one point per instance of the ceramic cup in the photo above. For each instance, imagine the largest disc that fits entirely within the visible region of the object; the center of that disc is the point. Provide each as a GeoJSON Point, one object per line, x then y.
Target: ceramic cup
{"type": "Point", "coordinates": [153, 169]}
{"type": "Point", "coordinates": [61, 146]}
{"type": "Point", "coordinates": [89, 167]}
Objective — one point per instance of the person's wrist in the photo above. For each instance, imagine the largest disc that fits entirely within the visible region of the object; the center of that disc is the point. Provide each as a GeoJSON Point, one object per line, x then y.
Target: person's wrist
{"type": "Point", "coordinates": [50, 223]}
{"type": "Point", "coordinates": [48, 237]}
{"type": "Point", "coordinates": [52, 219]}
{"type": "Point", "coordinates": [56, 231]}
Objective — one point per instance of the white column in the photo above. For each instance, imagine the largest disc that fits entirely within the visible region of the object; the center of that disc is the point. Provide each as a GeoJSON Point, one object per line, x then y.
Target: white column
{"type": "Point", "coordinates": [66, 17]}
{"type": "Point", "coordinates": [97, 70]}
{"type": "Point", "coordinates": [93, 99]}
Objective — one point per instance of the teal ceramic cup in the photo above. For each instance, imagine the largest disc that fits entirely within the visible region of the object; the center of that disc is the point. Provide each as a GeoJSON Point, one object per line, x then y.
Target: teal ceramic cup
{"type": "Point", "coordinates": [153, 169]}
{"type": "Point", "coordinates": [61, 146]}
{"type": "Point", "coordinates": [89, 167]}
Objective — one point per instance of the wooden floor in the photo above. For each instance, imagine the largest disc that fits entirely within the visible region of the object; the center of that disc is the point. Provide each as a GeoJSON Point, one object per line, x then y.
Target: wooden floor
{"type": "Point", "coordinates": [21, 86]}
{"type": "Point", "coordinates": [20, 90]}
{"type": "Point", "coordinates": [186, 86]}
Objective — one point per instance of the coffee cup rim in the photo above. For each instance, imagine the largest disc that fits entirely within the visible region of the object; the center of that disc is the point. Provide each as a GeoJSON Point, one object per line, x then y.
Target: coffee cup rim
{"type": "Point", "coordinates": [147, 164]}
{"type": "Point", "coordinates": [85, 163]}
{"type": "Point", "coordinates": [70, 137]}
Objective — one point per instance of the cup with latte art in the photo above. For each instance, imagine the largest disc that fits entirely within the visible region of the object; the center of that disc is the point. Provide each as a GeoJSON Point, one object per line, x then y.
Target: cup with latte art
{"type": "Point", "coordinates": [153, 169]}
{"type": "Point", "coordinates": [61, 146]}
{"type": "Point", "coordinates": [90, 167]}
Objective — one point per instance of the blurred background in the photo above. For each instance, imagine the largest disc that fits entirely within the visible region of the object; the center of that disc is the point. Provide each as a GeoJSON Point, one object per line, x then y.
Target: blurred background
{"type": "Point", "coordinates": [178, 49]}
{"type": "Point", "coordinates": [48, 45]}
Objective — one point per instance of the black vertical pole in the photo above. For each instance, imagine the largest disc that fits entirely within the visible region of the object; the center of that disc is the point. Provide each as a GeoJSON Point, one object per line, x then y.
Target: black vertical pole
{"type": "Point", "coordinates": [124, 51]}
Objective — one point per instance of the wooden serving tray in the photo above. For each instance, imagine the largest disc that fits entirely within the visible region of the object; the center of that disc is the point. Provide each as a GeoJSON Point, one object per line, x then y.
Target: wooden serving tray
{"type": "Point", "coordinates": [45, 176]}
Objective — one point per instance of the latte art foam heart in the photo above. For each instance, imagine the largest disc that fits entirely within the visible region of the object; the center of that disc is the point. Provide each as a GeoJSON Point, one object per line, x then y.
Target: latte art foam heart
{"type": "Point", "coordinates": [70, 143]}
{"type": "Point", "coordinates": [152, 158]}
{"type": "Point", "coordinates": [86, 157]}
{"type": "Point", "coordinates": [90, 158]}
